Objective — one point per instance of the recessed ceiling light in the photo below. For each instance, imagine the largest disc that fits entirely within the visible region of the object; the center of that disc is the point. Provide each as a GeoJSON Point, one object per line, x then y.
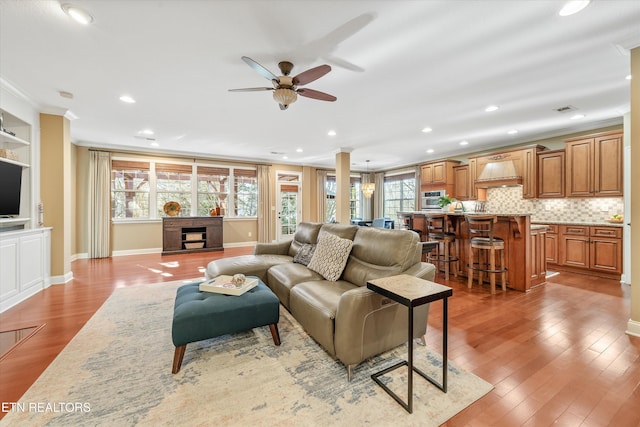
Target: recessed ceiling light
{"type": "Point", "coordinates": [331, 133]}
{"type": "Point", "coordinates": [464, 142]}
{"type": "Point", "coordinates": [430, 150]}
{"type": "Point", "coordinates": [298, 150]}
{"type": "Point", "coordinates": [155, 144]}
{"type": "Point", "coordinates": [284, 157]}
{"type": "Point", "coordinates": [573, 6]}
{"type": "Point", "coordinates": [628, 77]}
{"type": "Point", "coordinates": [427, 130]}
{"type": "Point", "coordinates": [127, 99]}
{"type": "Point", "coordinates": [77, 14]}
{"type": "Point", "coordinates": [577, 117]}
{"type": "Point", "coordinates": [512, 132]}
{"type": "Point", "coordinates": [146, 132]}
{"type": "Point", "coordinates": [491, 108]}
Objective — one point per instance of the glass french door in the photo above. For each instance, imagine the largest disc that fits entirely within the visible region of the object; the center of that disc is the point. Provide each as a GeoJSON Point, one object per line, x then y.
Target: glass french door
{"type": "Point", "coordinates": [289, 204]}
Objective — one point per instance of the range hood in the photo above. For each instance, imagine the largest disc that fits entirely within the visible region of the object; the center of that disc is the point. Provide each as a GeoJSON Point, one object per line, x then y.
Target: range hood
{"type": "Point", "coordinates": [499, 174]}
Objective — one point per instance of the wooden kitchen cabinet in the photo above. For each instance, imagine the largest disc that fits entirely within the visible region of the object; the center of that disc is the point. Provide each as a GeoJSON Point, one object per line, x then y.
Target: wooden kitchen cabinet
{"type": "Point", "coordinates": [462, 183]}
{"type": "Point", "coordinates": [574, 246]}
{"type": "Point", "coordinates": [530, 173]}
{"type": "Point", "coordinates": [594, 165]}
{"type": "Point", "coordinates": [551, 174]}
{"type": "Point", "coordinates": [438, 175]}
{"type": "Point", "coordinates": [590, 249]}
{"type": "Point", "coordinates": [551, 244]}
{"type": "Point", "coordinates": [538, 256]}
{"type": "Point", "coordinates": [606, 249]}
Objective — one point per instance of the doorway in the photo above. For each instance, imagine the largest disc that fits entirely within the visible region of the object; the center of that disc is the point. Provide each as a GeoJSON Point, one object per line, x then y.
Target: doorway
{"type": "Point", "coordinates": [288, 204]}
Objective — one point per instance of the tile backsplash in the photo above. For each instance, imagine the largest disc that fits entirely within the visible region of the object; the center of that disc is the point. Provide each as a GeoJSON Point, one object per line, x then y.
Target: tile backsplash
{"type": "Point", "coordinates": [509, 200]}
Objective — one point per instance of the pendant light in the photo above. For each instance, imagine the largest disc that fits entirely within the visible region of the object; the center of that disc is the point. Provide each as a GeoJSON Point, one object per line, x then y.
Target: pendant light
{"type": "Point", "coordinates": [368, 187]}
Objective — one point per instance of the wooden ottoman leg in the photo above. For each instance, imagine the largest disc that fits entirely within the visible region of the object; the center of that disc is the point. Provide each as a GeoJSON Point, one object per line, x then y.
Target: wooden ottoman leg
{"type": "Point", "coordinates": [274, 333]}
{"type": "Point", "coordinates": [178, 355]}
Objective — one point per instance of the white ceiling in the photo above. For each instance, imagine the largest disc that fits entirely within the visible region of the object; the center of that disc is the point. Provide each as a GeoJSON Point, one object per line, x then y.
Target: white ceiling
{"type": "Point", "coordinates": [397, 67]}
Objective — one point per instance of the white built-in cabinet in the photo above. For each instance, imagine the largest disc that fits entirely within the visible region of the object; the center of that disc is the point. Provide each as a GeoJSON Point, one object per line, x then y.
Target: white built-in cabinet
{"type": "Point", "coordinates": [25, 264]}
{"type": "Point", "coordinates": [25, 247]}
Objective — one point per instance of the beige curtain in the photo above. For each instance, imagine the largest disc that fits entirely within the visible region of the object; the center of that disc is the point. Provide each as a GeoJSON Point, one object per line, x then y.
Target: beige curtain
{"type": "Point", "coordinates": [264, 204]}
{"type": "Point", "coordinates": [378, 204]}
{"type": "Point", "coordinates": [99, 204]}
{"type": "Point", "coordinates": [322, 195]}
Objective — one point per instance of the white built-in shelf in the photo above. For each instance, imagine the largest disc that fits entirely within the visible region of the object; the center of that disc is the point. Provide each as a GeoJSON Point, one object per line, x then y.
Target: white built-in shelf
{"type": "Point", "coordinates": [5, 221]}
{"type": "Point", "coordinates": [7, 137]}
{"type": "Point", "coordinates": [24, 165]}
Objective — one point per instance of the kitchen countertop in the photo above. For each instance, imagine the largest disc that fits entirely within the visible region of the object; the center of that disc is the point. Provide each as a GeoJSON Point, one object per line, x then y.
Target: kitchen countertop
{"type": "Point", "coordinates": [461, 213]}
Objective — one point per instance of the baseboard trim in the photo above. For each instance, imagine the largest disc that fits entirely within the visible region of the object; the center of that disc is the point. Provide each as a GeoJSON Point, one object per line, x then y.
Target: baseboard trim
{"type": "Point", "coordinates": [75, 257]}
{"type": "Point", "coordinates": [239, 244]}
{"type": "Point", "coordinates": [633, 328]}
{"type": "Point", "coordinates": [61, 280]}
{"type": "Point", "coordinates": [137, 252]}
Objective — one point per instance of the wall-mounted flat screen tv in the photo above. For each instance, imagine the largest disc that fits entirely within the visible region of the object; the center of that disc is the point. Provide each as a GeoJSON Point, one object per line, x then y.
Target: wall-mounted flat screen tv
{"type": "Point", "coordinates": [10, 186]}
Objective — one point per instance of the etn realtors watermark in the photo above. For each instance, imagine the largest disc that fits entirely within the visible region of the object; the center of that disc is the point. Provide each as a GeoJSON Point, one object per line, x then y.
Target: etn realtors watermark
{"type": "Point", "coordinates": [44, 407]}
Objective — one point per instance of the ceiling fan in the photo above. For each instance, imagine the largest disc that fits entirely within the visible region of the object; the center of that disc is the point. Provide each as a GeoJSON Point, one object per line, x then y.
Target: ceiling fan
{"type": "Point", "coordinates": [285, 88]}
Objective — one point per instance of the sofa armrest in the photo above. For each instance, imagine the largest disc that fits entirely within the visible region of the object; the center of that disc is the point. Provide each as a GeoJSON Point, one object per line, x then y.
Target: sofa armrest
{"type": "Point", "coordinates": [423, 270]}
{"type": "Point", "coordinates": [279, 248]}
{"type": "Point", "coordinates": [368, 323]}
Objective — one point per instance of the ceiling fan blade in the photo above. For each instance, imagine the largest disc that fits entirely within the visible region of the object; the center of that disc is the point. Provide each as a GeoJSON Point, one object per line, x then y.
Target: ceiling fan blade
{"type": "Point", "coordinates": [251, 89]}
{"type": "Point", "coordinates": [260, 69]}
{"type": "Point", "coordinates": [315, 94]}
{"type": "Point", "coordinates": [311, 75]}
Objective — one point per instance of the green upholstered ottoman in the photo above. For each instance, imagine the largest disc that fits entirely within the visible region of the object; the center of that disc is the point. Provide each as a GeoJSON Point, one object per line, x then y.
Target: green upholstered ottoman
{"type": "Point", "coordinates": [199, 315]}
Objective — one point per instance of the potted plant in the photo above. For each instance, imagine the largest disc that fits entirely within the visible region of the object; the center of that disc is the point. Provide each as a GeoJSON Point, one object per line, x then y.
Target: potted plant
{"type": "Point", "coordinates": [445, 201]}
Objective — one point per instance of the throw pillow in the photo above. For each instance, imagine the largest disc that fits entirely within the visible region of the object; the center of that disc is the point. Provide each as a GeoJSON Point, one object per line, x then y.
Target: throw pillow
{"type": "Point", "coordinates": [331, 256]}
{"type": "Point", "coordinates": [305, 253]}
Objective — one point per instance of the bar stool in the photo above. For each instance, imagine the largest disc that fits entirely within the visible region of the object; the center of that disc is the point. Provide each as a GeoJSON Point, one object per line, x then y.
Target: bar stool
{"type": "Point", "coordinates": [483, 241]}
{"type": "Point", "coordinates": [406, 223]}
{"type": "Point", "coordinates": [437, 232]}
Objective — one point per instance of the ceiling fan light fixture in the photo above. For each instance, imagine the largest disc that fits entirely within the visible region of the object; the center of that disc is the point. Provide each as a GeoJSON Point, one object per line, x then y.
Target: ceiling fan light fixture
{"type": "Point", "coordinates": [285, 96]}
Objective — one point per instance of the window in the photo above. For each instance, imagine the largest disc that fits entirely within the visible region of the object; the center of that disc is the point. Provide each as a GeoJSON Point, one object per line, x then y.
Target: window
{"type": "Point", "coordinates": [399, 194]}
{"type": "Point", "coordinates": [173, 184]}
{"type": "Point", "coordinates": [129, 189]}
{"type": "Point", "coordinates": [330, 204]}
{"type": "Point", "coordinates": [213, 189]}
{"type": "Point", "coordinates": [246, 192]}
{"type": "Point", "coordinates": [137, 186]}
{"type": "Point", "coordinates": [355, 198]}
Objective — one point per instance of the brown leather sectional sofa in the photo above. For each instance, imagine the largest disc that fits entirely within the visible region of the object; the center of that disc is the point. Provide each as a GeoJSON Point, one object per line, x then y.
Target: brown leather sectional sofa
{"type": "Point", "coordinates": [351, 322]}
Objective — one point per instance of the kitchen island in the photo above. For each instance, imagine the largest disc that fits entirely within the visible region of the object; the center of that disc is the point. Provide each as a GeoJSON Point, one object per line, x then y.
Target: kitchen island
{"type": "Point", "coordinates": [524, 245]}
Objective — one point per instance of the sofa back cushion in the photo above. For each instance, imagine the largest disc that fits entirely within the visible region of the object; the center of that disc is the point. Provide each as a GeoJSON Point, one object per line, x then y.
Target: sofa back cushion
{"type": "Point", "coordinates": [345, 231]}
{"type": "Point", "coordinates": [306, 233]}
{"type": "Point", "coordinates": [379, 253]}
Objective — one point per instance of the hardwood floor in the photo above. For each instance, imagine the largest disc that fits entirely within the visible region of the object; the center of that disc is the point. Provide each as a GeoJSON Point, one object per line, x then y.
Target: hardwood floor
{"type": "Point", "coordinates": [557, 355]}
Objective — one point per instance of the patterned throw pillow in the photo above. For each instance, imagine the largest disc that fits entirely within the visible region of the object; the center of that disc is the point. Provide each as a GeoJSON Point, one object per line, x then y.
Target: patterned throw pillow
{"type": "Point", "coordinates": [305, 253]}
{"type": "Point", "coordinates": [330, 256]}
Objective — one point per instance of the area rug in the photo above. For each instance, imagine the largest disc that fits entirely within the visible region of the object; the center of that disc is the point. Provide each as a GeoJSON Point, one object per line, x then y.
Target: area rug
{"type": "Point", "coordinates": [117, 371]}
